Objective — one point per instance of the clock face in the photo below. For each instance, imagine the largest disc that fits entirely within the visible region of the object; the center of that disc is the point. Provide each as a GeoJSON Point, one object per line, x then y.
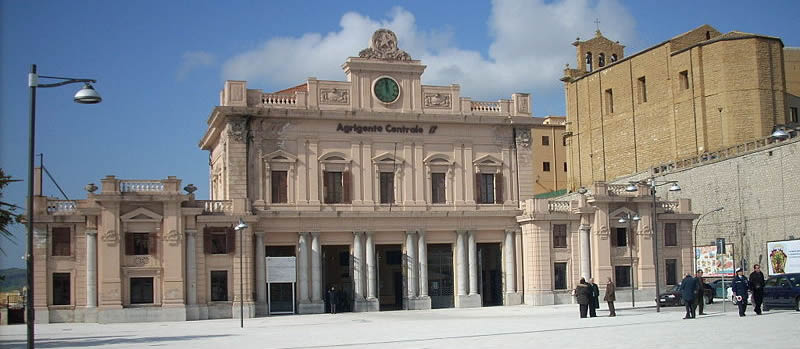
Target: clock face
{"type": "Point", "coordinates": [386, 90]}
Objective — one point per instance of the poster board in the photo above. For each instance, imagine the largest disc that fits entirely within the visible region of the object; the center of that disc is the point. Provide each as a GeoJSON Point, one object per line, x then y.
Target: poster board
{"type": "Point", "coordinates": [714, 264]}
{"type": "Point", "coordinates": [783, 256]}
{"type": "Point", "coordinates": [281, 269]}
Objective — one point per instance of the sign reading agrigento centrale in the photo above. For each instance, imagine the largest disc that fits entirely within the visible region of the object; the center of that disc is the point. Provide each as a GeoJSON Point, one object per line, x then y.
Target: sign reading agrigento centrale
{"type": "Point", "coordinates": [388, 128]}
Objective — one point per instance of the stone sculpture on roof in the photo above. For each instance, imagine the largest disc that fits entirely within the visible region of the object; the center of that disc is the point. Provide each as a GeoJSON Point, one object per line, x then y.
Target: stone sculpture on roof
{"type": "Point", "coordinates": [383, 45]}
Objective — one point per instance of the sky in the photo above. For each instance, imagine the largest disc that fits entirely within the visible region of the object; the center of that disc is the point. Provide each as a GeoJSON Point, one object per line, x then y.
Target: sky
{"type": "Point", "coordinates": [160, 65]}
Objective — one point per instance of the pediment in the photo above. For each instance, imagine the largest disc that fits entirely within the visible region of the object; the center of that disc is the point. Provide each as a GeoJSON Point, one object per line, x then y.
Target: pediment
{"type": "Point", "coordinates": [141, 214]}
{"type": "Point", "coordinates": [438, 159]}
{"type": "Point", "coordinates": [387, 157]}
{"type": "Point", "coordinates": [487, 160]}
{"type": "Point", "coordinates": [280, 155]}
{"type": "Point", "coordinates": [622, 212]}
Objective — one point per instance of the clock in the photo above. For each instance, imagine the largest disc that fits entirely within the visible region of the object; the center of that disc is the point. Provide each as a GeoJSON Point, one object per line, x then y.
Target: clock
{"type": "Point", "coordinates": [386, 89]}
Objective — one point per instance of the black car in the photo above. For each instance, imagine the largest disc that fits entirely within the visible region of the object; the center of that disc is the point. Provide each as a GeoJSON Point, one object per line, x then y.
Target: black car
{"type": "Point", "coordinates": [782, 291]}
{"type": "Point", "coordinates": [672, 296]}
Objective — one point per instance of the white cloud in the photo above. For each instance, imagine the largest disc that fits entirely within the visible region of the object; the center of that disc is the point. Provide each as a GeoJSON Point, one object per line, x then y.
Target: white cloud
{"type": "Point", "coordinates": [193, 60]}
{"type": "Point", "coordinates": [530, 45]}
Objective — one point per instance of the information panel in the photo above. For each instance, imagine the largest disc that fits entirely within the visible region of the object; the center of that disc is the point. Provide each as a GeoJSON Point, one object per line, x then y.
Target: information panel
{"type": "Point", "coordinates": [712, 263]}
{"type": "Point", "coordinates": [281, 269]}
{"type": "Point", "coordinates": [784, 256]}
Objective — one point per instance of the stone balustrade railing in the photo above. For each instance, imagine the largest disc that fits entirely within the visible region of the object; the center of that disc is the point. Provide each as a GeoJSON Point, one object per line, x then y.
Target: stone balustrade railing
{"type": "Point", "coordinates": [559, 206]}
{"type": "Point", "coordinates": [140, 186]}
{"type": "Point", "coordinates": [668, 206]}
{"type": "Point", "coordinates": [619, 190]}
{"type": "Point", "coordinates": [215, 206]}
{"type": "Point", "coordinates": [113, 185]}
{"type": "Point", "coordinates": [55, 207]}
{"type": "Point", "coordinates": [492, 107]}
{"type": "Point", "coordinates": [278, 100]}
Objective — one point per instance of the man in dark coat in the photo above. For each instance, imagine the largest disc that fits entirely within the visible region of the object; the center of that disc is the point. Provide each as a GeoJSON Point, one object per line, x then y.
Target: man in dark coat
{"type": "Point", "coordinates": [594, 301]}
{"type": "Point", "coordinates": [700, 298]}
{"type": "Point", "coordinates": [757, 287]}
{"type": "Point", "coordinates": [610, 297]}
{"type": "Point", "coordinates": [688, 290]}
{"type": "Point", "coordinates": [332, 299]}
{"type": "Point", "coordinates": [740, 286]}
{"type": "Point", "coordinates": [582, 294]}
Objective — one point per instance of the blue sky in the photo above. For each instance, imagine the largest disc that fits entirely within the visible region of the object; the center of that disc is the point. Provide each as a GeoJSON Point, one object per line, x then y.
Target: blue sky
{"type": "Point", "coordinates": [160, 65]}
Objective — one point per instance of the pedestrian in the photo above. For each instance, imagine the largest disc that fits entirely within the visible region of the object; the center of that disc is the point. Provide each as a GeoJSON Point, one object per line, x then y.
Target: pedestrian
{"type": "Point", "coordinates": [332, 299]}
{"type": "Point", "coordinates": [740, 286]}
{"type": "Point", "coordinates": [688, 290]}
{"type": "Point", "coordinates": [582, 294]}
{"type": "Point", "coordinates": [700, 298]}
{"type": "Point", "coordinates": [610, 297]}
{"type": "Point", "coordinates": [594, 301]}
{"type": "Point", "coordinates": [757, 287]}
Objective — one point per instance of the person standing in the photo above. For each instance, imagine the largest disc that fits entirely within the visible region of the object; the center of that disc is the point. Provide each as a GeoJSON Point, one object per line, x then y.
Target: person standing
{"type": "Point", "coordinates": [610, 297]}
{"type": "Point", "coordinates": [700, 298]}
{"type": "Point", "coordinates": [740, 286]}
{"type": "Point", "coordinates": [688, 290]}
{"type": "Point", "coordinates": [757, 287]}
{"type": "Point", "coordinates": [594, 301]}
{"type": "Point", "coordinates": [582, 294]}
{"type": "Point", "coordinates": [332, 299]}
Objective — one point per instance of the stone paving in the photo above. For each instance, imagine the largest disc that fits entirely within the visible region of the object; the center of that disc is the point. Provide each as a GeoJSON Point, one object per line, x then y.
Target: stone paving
{"type": "Point", "coordinates": [495, 327]}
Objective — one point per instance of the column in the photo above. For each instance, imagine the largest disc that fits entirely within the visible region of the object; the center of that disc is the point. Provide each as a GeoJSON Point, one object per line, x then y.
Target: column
{"type": "Point", "coordinates": [422, 247]}
{"type": "Point", "coordinates": [302, 267]}
{"type": "Point", "coordinates": [314, 173]}
{"type": "Point", "coordinates": [461, 263]}
{"type": "Point", "coordinates": [411, 264]}
{"type": "Point", "coordinates": [191, 267]}
{"type": "Point", "coordinates": [473, 264]}
{"type": "Point", "coordinates": [586, 264]}
{"type": "Point", "coordinates": [261, 269]}
{"type": "Point", "coordinates": [371, 270]}
{"type": "Point", "coordinates": [508, 256]}
{"type": "Point", "coordinates": [316, 269]}
{"type": "Point", "coordinates": [358, 267]}
{"type": "Point", "coordinates": [91, 268]}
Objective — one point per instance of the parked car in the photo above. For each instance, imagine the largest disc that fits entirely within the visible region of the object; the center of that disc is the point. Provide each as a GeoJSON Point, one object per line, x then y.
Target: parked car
{"type": "Point", "coordinates": [782, 291]}
{"type": "Point", "coordinates": [720, 292]}
{"type": "Point", "coordinates": [672, 296]}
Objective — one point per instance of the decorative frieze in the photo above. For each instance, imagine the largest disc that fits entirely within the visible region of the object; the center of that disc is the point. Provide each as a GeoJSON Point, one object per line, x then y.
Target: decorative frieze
{"type": "Point", "coordinates": [438, 100]}
{"type": "Point", "coordinates": [334, 96]}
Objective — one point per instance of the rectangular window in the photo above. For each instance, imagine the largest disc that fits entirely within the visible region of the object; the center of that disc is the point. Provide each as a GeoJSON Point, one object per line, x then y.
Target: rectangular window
{"type": "Point", "coordinates": [486, 187]}
{"type": "Point", "coordinates": [334, 191]}
{"type": "Point", "coordinates": [609, 101]}
{"type": "Point", "coordinates": [620, 238]}
{"type": "Point", "coordinates": [671, 234]}
{"type": "Point", "coordinates": [622, 275]}
{"type": "Point", "coordinates": [793, 118]}
{"type": "Point", "coordinates": [684, 79]}
{"type": "Point", "coordinates": [219, 285]}
{"type": "Point", "coordinates": [438, 188]}
{"type": "Point", "coordinates": [142, 290]}
{"type": "Point", "coordinates": [545, 140]}
{"type": "Point", "coordinates": [672, 271]}
{"type": "Point", "coordinates": [560, 276]}
{"type": "Point", "coordinates": [546, 166]}
{"type": "Point", "coordinates": [387, 187]}
{"type": "Point", "coordinates": [219, 243]}
{"type": "Point", "coordinates": [61, 242]}
{"type": "Point", "coordinates": [642, 90]}
{"type": "Point", "coordinates": [559, 235]}
{"type": "Point", "coordinates": [141, 243]}
{"type": "Point", "coordinates": [564, 141]}
{"type": "Point", "coordinates": [279, 187]}
{"type": "Point", "coordinates": [61, 289]}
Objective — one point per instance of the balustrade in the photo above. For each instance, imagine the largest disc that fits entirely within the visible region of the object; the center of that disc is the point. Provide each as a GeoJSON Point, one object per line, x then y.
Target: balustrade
{"type": "Point", "coordinates": [139, 186]}
{"type": "Point", "coordinates": [492, 107]}
{"type": "Point", "coordinates": [272, 99]}
{"type": "Point", "coordinates": [61, 206]}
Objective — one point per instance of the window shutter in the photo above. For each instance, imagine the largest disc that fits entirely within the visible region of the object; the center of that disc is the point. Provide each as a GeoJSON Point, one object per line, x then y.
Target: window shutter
{"type": "Point", "coordinates": [614, 238]}
{"type": "Point", "coordinates": [129, 244]}
{"type": "Point", "coordinates": [325, 186]}
{"type": "Point", "coordinates": [347, 198]}
{"type": "Point", "coordinates": [206, 240]}
{"type": "Point", "coordinates": [498, 187]}
{"type": "Point", "coordinates": [478, 196]}
{"type": "Point", "coordinates": [152, 243]}
{"type": "Point", "coordinates": [284, 189]}
{"type": "Point", "coordinates": [230, 244]}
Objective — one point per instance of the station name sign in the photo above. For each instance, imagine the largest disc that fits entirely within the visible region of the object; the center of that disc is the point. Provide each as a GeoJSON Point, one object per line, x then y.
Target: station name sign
{"type": "Point", "coordinates": [388, 128]}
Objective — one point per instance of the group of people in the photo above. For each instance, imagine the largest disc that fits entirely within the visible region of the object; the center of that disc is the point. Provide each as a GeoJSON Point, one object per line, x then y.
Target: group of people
{"type": "Point", "coordinates": [692, 289]}
{"type": "Point", "coordinates": [588, 296]}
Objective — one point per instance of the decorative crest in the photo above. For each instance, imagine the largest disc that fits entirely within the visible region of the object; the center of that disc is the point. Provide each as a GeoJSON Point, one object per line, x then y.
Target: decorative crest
{"type": "Point", "coordinates": [383, 45]}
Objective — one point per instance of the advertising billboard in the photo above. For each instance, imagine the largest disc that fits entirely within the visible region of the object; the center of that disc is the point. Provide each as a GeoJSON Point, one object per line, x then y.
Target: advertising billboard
{"type": "Point", "coordinates": [784, 256]}
{"type": "Point", "coordinates": [714, 264]}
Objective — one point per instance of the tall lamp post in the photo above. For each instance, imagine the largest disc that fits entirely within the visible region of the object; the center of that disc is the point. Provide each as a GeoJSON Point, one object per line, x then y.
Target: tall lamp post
{"type": "Point", "coordinates": [242, 226]}
{"type": "Point", "coordinates": [653, 184]}
{"type": "Point", "coordinates": [694, 244]}
{"type": "Point", "coordinates": [86, 95]}
{"type": "Point", "coordinates": [628, 219]}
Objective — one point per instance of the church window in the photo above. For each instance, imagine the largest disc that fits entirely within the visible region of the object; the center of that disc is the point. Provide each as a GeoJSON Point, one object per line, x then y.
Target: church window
{"type": "Point", "coordinates": [601, 60]}
{"type": "Point", "coordinates": [609, 101]}
{"type": "Point", "coordinates": [684, 79]}
{"type": "Point", "coordinates": [613, 57]}
{"type": "Point", "coordinates": [588, 61]}
{"type": "Point", "coordinates": [642, 89]}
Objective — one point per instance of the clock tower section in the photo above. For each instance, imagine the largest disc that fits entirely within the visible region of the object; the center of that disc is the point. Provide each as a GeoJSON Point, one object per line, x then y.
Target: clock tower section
{"type": "Point", "coordinates": [385, 78]}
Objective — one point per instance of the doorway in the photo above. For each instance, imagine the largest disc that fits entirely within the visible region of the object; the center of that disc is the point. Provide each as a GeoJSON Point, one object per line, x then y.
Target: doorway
{"type": "Point", "coordinates": [281, 295]}
{"type": "Point", "coordinates": [490, 280]}
{"type": "Point", "coordinates": [440, 275]}
{"type": "Point", "coordinates": [336, 267]}
{"type": "Point", "coordinates": [390, 276]}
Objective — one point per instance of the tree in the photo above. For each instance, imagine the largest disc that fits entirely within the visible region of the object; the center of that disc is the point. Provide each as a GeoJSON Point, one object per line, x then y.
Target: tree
{"type": "Point", "coordinates": [8, 211]}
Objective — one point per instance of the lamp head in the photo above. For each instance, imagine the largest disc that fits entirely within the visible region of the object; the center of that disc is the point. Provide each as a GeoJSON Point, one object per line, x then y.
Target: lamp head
{"type": "Point", "coordinates": [582, 190]}
{"type": "Point", "coordinates": [636, 218]}
{"type": "Point", "coordinates": [780, 134]}
{"type": "Point", "coordinates": [87, 95]}
{"type": "Point", "coordinates": [242, 225]}
{"type": "Point", "coordinates": [631, 188]}
{"type": "Point", "coordinates": [622, 220]}
{"type": "Point", "coordinates": [674, 187]}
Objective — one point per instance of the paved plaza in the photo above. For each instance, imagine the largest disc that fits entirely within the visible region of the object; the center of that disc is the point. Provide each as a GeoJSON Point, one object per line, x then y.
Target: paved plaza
{"type": "Point", "coordinates": [495, 327]}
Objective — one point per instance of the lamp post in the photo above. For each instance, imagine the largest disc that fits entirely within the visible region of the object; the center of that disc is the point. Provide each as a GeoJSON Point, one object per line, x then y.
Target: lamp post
{"type": "Point", "coordinates": [86, 95]}
{"type": "Point", "coordinates": [694, 244]}
{"type": "Point", "coordinates": [239, 228]}
{"type": "Point", "coordinates": [628, 219]}
{"type": "Point", "coordinates": [652, 184]}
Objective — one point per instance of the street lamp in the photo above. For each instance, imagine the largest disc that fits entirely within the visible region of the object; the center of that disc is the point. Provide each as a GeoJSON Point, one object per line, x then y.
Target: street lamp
{"type": "Point", "coordinates": [86, 95]}
{"type": "Point", "coordinates": [632, 187]}
{"type": "Point", "coordinates": [242, 226]}
{"type": "Point", "coordinates": [694, 245]}
{"type": "Point", "coordinates": [628, 219]}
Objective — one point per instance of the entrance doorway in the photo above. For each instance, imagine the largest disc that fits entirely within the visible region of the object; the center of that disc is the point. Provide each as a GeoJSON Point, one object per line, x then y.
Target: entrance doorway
{"type": "Point", "coordinates": [281, 295]}
{"type": "Point", "coordinates": [440, 275]}
{"type": "Point", "coordinates": [390, 276]}
{"type": "Point", "coordinates": [336, 266]}
{"type": "Point", "coordinates": [490, 280]}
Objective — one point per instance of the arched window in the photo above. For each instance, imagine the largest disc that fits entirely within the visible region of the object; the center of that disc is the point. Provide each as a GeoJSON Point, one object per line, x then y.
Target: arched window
{"type": "Point", "coordinates": [588, 61]}
{"type": "Point", "coordinates": [613, 57]}
{"type": "Point", "coordinates": [601, 60]}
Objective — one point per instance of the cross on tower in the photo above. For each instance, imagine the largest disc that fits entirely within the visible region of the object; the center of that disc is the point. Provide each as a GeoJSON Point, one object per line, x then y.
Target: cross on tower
{"type": "Point", "coordinates": [597, 22]}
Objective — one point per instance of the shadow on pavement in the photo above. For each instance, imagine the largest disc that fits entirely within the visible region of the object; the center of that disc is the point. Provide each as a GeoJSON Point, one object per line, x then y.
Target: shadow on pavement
{"type": "Point", "coordinates": [83, 342]}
